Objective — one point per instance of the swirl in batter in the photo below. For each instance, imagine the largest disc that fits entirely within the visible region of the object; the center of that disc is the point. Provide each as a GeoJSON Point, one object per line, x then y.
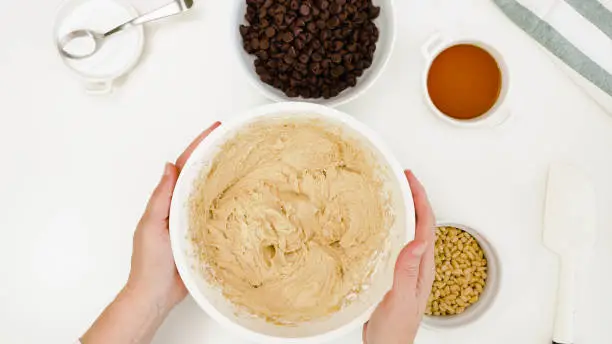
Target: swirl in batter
{"type": "Point", "coordinates": [290, 220]}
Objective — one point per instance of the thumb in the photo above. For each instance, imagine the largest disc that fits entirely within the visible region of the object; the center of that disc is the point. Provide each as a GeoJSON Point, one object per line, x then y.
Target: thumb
{"type": "Point", "coordinates": [407, 267]}
{"type": "Point", "coordinates": [158, 208]}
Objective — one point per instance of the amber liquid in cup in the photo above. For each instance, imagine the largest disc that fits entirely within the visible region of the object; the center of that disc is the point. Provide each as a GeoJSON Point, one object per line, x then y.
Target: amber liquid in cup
{"type": "Point", "coordinates": [464, 82]}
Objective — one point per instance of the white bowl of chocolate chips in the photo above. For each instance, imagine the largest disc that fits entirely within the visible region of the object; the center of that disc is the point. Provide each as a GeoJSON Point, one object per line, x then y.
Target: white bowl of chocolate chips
{"type": "Point", "coordinates": [324, 51]}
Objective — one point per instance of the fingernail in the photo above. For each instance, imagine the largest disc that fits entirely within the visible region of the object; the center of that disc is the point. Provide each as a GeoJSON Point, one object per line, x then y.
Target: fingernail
{"type": "Point", "coordinates": [419, 249]}
{"type": "Point", "coordinates": [167, 169]}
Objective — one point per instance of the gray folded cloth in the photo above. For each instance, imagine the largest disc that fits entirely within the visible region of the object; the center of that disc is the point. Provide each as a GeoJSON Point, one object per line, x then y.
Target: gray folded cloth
{"type": "Point", "coordinates": [578, 32]}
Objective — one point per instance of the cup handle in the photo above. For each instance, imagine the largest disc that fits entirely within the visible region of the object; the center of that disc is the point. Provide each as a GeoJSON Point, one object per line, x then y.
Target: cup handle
{"type": "Point", "coordinates": [432, 45]}
{"type": "Point", "coordinates": [98, 87]}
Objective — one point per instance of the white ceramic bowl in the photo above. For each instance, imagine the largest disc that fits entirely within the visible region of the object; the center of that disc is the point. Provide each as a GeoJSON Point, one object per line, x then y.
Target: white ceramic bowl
{"type": "Point", "coordinates": [386, 25]}
{"type": "Point", "coordinates": [486, 299]}
{"type": "Point", "coordinates": [210, 298]}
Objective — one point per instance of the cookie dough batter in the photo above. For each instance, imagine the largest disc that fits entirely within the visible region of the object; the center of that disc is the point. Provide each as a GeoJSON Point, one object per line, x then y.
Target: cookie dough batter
{"type": "Point", "coordinates": [290, 220]}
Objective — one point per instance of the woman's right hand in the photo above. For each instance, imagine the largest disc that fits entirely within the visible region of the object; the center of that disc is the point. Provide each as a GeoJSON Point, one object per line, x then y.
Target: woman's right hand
{"type": "Point", "coordinates": [397, 318]}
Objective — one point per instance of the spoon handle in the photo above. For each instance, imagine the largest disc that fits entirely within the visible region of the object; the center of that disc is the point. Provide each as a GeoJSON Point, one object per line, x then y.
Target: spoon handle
{"type": "Point", "coordinates": [173, 8]}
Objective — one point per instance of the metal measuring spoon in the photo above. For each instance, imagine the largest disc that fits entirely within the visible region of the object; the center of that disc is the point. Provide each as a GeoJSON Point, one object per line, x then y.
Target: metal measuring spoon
{"type": "Point", "coordinates": [94, 40]}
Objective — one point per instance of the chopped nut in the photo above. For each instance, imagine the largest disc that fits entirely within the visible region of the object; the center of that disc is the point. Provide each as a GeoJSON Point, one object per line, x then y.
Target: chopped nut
{"type": "Point", "coordinates": [461, 273]}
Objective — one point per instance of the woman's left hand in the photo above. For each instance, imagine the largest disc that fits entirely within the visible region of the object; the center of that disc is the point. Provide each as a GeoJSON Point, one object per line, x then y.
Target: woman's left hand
{"type": "Point", "coordinates": [153, 273]}
{"type": "Point", "coordinates": [154, 286]}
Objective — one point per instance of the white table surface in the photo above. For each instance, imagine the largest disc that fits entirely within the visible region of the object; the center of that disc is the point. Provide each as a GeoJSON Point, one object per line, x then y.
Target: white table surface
{"type": "Point", "coordinates": [77, 170]}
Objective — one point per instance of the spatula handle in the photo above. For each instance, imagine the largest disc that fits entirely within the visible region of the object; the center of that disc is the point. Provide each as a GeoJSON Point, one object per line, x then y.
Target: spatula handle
{"type": "Point", "coordinates": [563, 332]}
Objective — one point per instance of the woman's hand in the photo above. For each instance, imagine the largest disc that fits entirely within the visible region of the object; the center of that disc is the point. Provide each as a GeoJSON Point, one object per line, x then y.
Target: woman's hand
{"type": "Point", "coordinates": [153, 272]}
{"type": "Point", "coordinates": [154, 286]}
{"type": "Point", "coordinates": [397, 318]}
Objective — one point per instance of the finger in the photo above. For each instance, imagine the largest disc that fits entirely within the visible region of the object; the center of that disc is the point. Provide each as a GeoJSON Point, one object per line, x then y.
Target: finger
{"type": "Point", "coordinates": [407, 266]}
{"type": "Point", "coordinates": [424, 214]}
{"type": "Point", "coordinates": [427, 275]}
{"type": "Point", "coordinates": [180, 162]}
{"type": "Point", "coordinates": [425, 230]}
{"type": "Point", "coordinates": [364, 333]}
{"type": "Point", "coordinates": [158, 208]}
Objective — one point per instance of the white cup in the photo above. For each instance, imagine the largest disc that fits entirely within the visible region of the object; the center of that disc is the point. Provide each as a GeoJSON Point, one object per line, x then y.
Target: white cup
{"type": "Point", "coordinates": [500, 111]}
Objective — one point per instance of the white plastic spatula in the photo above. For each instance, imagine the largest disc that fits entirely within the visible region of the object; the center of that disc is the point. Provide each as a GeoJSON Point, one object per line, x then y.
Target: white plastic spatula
{"type": "Point", "coordinates": [570, 226]}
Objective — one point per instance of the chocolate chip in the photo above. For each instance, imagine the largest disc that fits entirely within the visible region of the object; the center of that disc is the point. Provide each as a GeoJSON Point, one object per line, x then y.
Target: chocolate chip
{"type": "Point", "coordinates": [267, 78]}
{"type": "Point", "coordinates": [289, 18]}
{"type": "Point", "coordinates": [292, 93]}
{"type": "Point", "coordinates": [292, 52]}
{"type": "Point", "coordinates": [279, 18]}
{"type": "Point", "coordinates": [335, 8]}
{"type": "Point", "coordinates": [244, 30]}
{"type": "Point", "coordinates": [262, 55]}
{"type": "Point", "coordinates": [337, 71]}
{"type": "Point", "coordinates": [338, 45]}
{"type": "Point", "coordinates": [333, 22]}
{"type": "Point", "coordinates": [288, 37]}
{"type": "Point", "coordinates": [326, 35]}
{"type": "Point", "coordinates": [374, 12]}
{"type": "Point", "coordinates": [270, 32]}
{"type": "Point", "coordinates": [297, 31]}
{"type": "Point", "coordinates": [255, 43]}
{"type": "Point", "coordinates": [326, 63]}
{"type": "Point", "coordinates": [348, 58]}
{"type": "Point", "coordinates": [305, 10]}
{"type": "Point", "coordinates": [311, 27]}
{"type": "Point", "coordinates": [288, 59]}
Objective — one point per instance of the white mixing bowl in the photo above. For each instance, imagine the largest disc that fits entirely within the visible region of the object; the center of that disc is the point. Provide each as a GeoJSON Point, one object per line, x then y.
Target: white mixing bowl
{"type": "Point", "coordinates": [210, 298]}
{"type": "Point", "coordinates": [386, 25]}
